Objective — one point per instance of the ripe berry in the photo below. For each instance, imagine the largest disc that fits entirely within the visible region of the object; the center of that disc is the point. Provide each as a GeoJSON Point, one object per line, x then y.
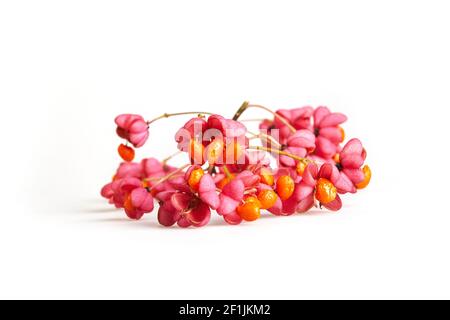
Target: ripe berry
{"type": "Point", "coordinates": [250, 210]}
{"type": "Point", "coordinates": [325, 191]}
{"type": "Point", "coordinates": [145, 184]}
{"type": "Point", "coordinates": [267, 177]}
{"type": "Point", "coordinates": [285, 187]}
{"type": "Point", "coordinates": [214, 152]}
{"type": "Point", "coordinates": [301, 166]}
{"type": "Point", "coordinates": [222, 183]}
{"type": "Point", "coordinates": [337, 158]}
{"type": "Point", "coordinates": [196, 152]}
{"type": "Point", "coordinates": [126, 153]}
{"type": "Point", "coordinates": [367, 177]}
{"type": "Point", "coordinates": [194, 178]}
{"type": "Point", "coordinates": [128, 205]}
{"type": "Point", "coordinates": [267, 198]}
{"type": "Point", "coordinates": [342, 134]}
{"type": "Point", "coordinates": [252, 199]}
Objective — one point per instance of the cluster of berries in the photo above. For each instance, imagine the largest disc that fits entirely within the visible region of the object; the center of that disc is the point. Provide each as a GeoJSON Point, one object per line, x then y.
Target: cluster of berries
{"type": "Point", "coordinates": [296, 161]}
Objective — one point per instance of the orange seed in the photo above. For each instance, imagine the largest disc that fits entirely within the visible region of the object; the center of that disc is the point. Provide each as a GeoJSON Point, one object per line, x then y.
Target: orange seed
{"type": "Point", "coordinates": [126, 153]}
{"type": "Point", "coordinates": [325, 191]}
{"type": "Point", "coordinates": [194, 178]}
{"type": "Point", "coordinates": [250, 210]}
{"type": "Point", "coordinates": [285, 187]}
{"type": "Point", "coordinates": [267, 198]}
{"type": "Point", "coordinates": [367, 177]}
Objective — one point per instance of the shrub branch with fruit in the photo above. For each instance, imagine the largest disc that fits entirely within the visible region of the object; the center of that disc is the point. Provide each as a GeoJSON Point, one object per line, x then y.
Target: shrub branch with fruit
{"type": "Point", "coordinates": [296, 161]}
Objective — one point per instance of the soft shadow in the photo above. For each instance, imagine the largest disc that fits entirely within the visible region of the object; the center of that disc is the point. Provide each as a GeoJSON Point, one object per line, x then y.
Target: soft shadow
{"type": "Point", "coordinates": [112, 219]}
{"type": "Point", "coordinates": [117, 217]}
{"type": "Point", "coordinates": [94, 205]}
{"type": "Point", "coordinates": [98, 200]}
{"type": "Point", "coordinates": [124, 221]}
{"type": "Point", "coordinates": [220, 222]}
{"type": "Point", "coordinates": [315, 212]}
{"type": "Point", "coordinates": [98, 210]}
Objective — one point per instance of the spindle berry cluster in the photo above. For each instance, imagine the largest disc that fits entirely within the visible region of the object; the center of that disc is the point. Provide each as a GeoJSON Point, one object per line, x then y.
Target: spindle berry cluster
{"type": "Point", "coordinates": [296, 161]}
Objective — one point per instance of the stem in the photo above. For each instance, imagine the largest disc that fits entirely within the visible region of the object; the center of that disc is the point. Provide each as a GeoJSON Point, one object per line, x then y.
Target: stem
{"type": "Point", "coordinates": [266, 137]}
{"type": "Point", "coordinates": [250, 191]}
{"type": "Point", "coordinates": [246, 105]}
{"type": "Point", "coordinates": [168, 115]}
{"type": "Point", "coordinates": [170, 175]}
{"type": "Point", "coordinates": [280, 152]}
{"type": "Point", "coordinates": [171, 157]}
{"type": "Point", "coordinates": [241, 110]}
{"type": "Point", "coordinates": [227, 172]}
{"type": "Point", "coordinates": [252, 120]}
{"type": "Point", "coordinates": [211, 169]}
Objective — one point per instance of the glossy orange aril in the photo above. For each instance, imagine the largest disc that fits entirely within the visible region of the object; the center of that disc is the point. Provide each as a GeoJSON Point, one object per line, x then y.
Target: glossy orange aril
{"type": "Point", "coordinates": [215, 151]}
{"type": "Point", "coordinates": [250, 210]}
{"type": "Point", "coordinates": [194, 178]}
{"type": "Point", "coordinates": [252, 199]}
{"type": "Point", "coordinates": [285, 187]}
{"type": "Point", "coordinates": [126, 153]}
{"type": "Point", "coordinates": [301, 166]}
{"type": "Point", "coordinates": [267, 198]}
{"type": "Point", "coordinates": [325, 191]}
{"type": "Point", "coordinates": [128, 205]}
{"type": "Point", "coordinates": [342, 134]}
{"type": "Point", "coordinates": [196, 152]}
{"type": "Point", "coordinates": [337, 158]}
{"type": "Point", "coordinates": [222, 183]}
{"type": "Point", "coordinates": [367, 177]}
{"type": "Point", "coordinates": [267, 177]}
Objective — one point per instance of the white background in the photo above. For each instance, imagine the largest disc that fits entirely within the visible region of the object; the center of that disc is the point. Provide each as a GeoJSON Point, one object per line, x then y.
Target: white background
{"type": "Point", "coordinates": [67, 68]}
